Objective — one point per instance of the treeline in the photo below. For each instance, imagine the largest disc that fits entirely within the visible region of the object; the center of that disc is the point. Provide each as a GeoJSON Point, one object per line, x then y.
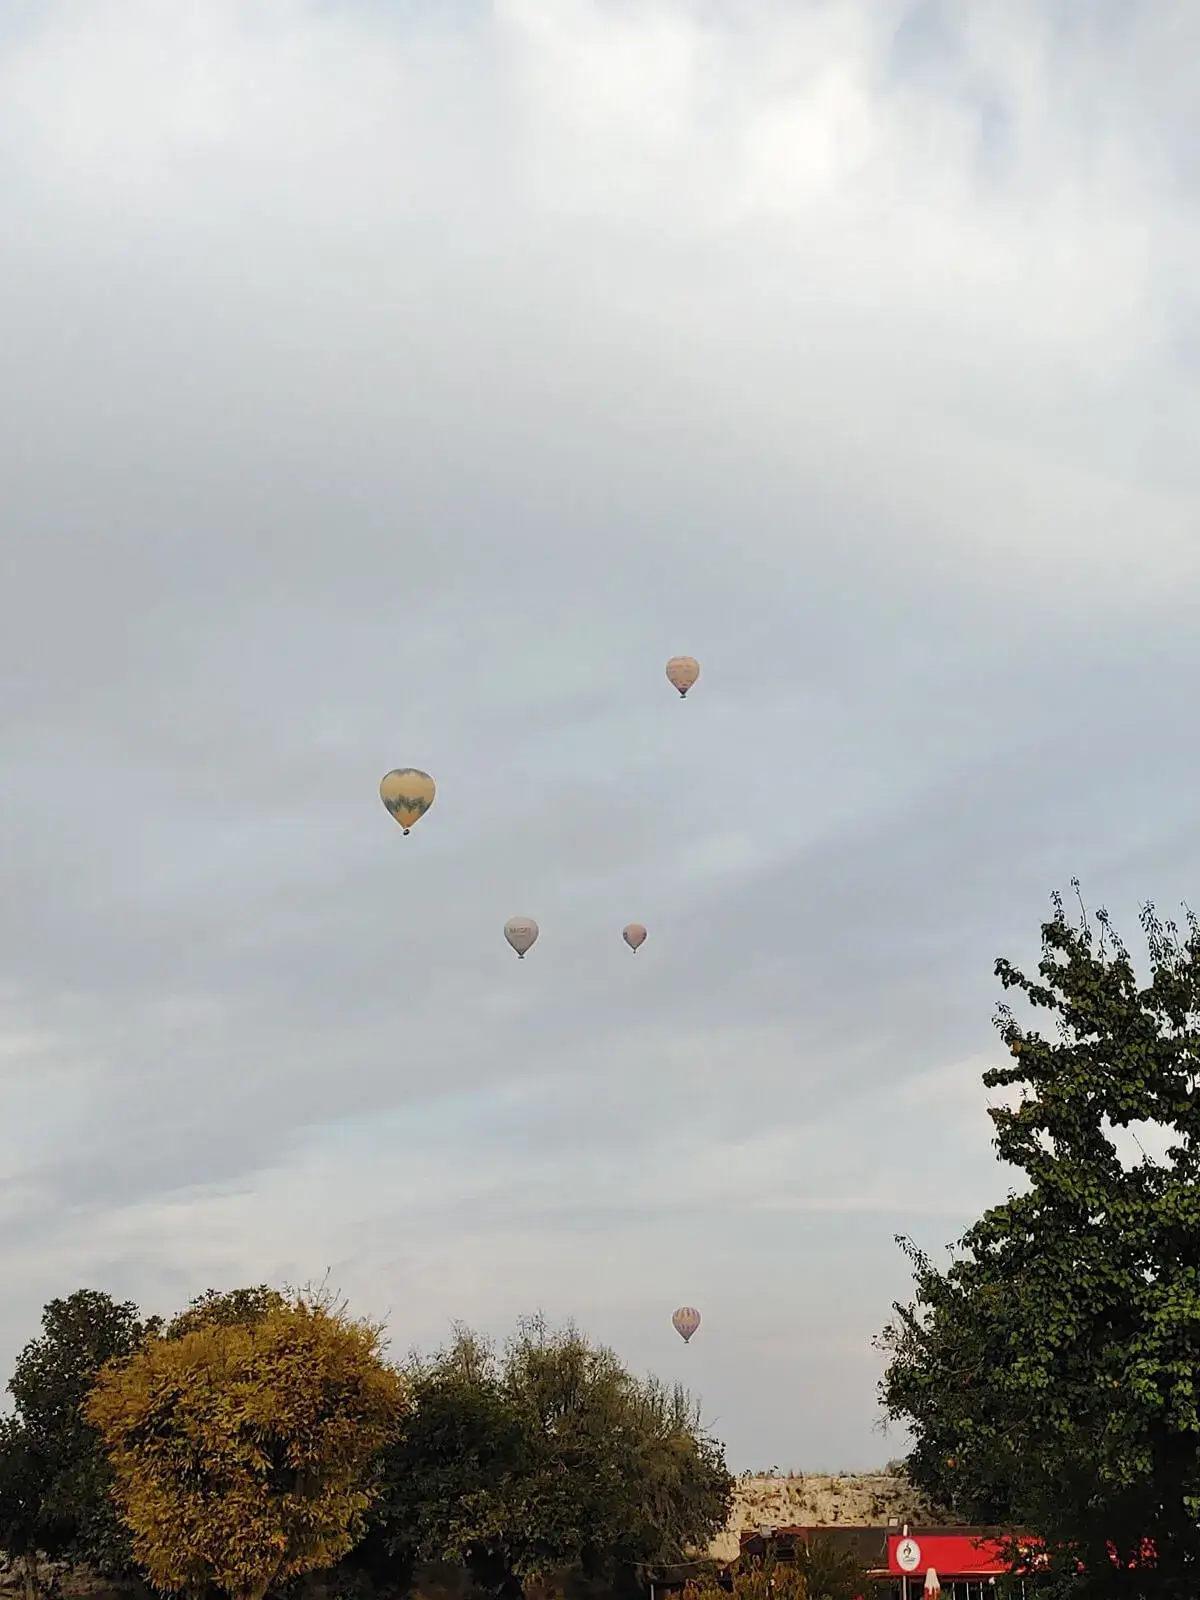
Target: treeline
{"type": "Point", "coordinates": [261, 1440]}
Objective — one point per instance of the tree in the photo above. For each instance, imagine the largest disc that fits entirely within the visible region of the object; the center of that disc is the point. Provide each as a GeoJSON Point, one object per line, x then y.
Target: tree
{"type": "Point", "coordinates": [243, 1451]}
{"type": "Point", "coordinates": [551, 1460]}
{"type": "Point", "coordinates": [222, 1308]}
{"type": "Point", "coordinates": [24, 1478]}
{"type": "Point", "coordinates": [817, 1571]}
{"type": "Point", "coordinates": [1051, 1374]}
{"type": "Point", "coordinates": [754, 1580]}
{"type": "Point", "coordinates": [829, 1573]}
{"type": "Point", "coordinates": [54, 1373]}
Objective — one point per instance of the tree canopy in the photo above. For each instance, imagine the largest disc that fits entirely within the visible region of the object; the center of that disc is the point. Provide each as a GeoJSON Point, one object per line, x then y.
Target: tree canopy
{"type": "Point", "coordinates": [259, 1436]}
{"type": "Point", "coordinates": [52, 1450]}
{"type": "Point", "coordinates": [225, 1308]}
{"type": "Point", "coordinates": [549, 1458]}
{"type": "Point", "coordinates": [817, 1571]}
{"type": "Point", "coordinates": [754, 1580]}
{"type": "Point", "coordinates": [244, 1450]}
{"type": "Point", "coordinates": [1051, 1373]}
{"type": "Point", "coordinates": [24, 1477]}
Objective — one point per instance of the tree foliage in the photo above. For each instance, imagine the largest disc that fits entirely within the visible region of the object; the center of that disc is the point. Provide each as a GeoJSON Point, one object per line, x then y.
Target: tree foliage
{"type": "Point", "coordinates": [240, 1447]}
{"type": "Point", "coordinates": [244, 1450]}
{"type": "Point", "coordinates": [549, 1459]}
{"type": "Point", "coordinates": [225, 1308]}
{"type": "Point", "coordinates": [817, 1571]}
{"type": "Point", "coordinates": [829, 1573]}
{"type": "Point", "coordinates": [1051, 1374]}
{"type": "Point", "coordinates": [754, 1580]}
{"type": "Point", "coordinates": [24, 1479]}
{"type": "Point", "coordinates": [54, 1446]}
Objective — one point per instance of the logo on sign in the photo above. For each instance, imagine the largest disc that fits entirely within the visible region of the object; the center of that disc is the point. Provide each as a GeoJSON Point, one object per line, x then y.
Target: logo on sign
{"type": "Point", "coordinates": [908, 1555]}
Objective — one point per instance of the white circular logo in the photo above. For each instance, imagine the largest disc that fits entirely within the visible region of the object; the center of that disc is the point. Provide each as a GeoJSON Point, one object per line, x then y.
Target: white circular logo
{"type": "Point", "coordinates": [908, 1555]}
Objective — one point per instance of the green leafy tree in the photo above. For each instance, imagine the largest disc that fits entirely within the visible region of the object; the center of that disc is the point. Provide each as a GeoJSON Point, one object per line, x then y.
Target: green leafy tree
{"type": "Point", "coordinates": [830, 1573]}
{"type": "Point", "coordinates": [549, 1465]}
{"type": "Point", "coordinates": [24, 1480]}
{"type": "Point", "coordinates": [51, 1381]}
{"type": "Point", "coordinates": [225, 1308]}
{"type": "Point", "coordinates": [1051, 1373]}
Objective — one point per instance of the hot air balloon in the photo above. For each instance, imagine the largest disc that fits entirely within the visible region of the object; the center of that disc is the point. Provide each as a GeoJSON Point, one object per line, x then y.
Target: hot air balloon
{"type": "Point", "coordinates": [634, 935]}
{"type": "Point", "coordinates": [682, 672]}
{"type": "Point", "coordinates": [408, 794]}
{"type": "Point", "coordinates": [521, 933]}
{"type": "Point", "coordinates": [686, 1320]}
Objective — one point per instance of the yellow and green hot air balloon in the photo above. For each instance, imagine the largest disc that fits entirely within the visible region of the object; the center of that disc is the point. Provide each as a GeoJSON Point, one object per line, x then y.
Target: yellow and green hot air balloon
{"type": "Point", "coordinates": [408, 794]}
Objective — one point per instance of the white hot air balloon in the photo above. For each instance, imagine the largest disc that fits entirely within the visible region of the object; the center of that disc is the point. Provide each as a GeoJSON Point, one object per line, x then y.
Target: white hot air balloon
{"type": "Point", "coordinates": [521, 933]}
{"type": "Point", "coordinates": [634, 935]}
{"type": "Point", "coordinates": [686, 1320]}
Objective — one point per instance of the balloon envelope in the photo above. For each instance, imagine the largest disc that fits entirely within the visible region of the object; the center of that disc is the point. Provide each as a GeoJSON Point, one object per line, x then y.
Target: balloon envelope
{"type": "Point", "coordinates": [634, 935]}
{"type": "Point", "coordinates": [686, 1321]}
{"type": "Point", "coordinates": [682, 671]}
{"type": "Point", "coordinates": [408, 794]}
{"type": "Point", "coordinates": [521, 932]}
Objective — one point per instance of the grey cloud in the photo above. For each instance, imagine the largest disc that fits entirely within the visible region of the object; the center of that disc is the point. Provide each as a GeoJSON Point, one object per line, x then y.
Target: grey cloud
{"type": "Point", "coordinates": [405, 389]}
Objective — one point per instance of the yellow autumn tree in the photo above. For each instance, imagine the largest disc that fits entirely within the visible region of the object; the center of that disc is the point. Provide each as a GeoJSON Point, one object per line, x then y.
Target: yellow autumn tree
{"type": "Point", "coordinates": [244, 1452]}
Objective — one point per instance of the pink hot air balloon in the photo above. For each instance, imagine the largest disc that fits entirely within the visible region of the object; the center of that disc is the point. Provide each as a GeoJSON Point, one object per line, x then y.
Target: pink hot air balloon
{"type": "Point", "coordinates": [682, 672]}
{"type": "Point", "coordinates": [686, 1320]}
{"type": "Point", "coordinates": [634, 935]}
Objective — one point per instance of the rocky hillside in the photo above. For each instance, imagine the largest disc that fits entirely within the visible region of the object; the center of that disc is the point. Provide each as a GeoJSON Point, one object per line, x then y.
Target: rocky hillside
{"type": "Point", "coordinates": [817, 1499]}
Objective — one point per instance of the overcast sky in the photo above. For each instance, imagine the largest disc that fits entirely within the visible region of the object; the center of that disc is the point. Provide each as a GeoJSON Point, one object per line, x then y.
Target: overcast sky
{"type": "Point", "coordinates": [400, 383]}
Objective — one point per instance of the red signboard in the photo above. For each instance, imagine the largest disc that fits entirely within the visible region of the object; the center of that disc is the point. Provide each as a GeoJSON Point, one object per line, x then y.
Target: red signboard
{"type": "Point", "coordinates": [952, 1555]}
{"type": "Point", "coordinates": [958, 1555]}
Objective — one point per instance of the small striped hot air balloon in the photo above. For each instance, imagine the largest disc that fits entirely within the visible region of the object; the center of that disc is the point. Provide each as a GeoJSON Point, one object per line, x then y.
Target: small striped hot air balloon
{"type": "Point", "coordinates": [634, 935]}
{"type": "Point", "coordinates": [686, 1320]}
